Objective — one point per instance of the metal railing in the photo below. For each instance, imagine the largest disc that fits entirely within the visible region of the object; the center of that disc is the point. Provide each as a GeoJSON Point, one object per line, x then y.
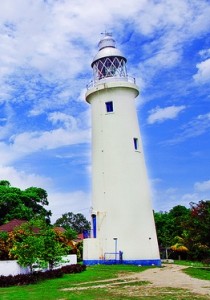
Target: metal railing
{"type": "Point", "coordinates": [110, 79]}
{"type": "Point", "coordinates": [114, 256]}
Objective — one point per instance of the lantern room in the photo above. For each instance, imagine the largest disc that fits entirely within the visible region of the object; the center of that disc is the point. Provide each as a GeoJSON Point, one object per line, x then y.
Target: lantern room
{"type": "Point", "coordinates": [109, 61]}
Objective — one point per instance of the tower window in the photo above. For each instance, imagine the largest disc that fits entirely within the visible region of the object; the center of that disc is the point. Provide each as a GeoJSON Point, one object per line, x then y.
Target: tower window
{"type": "Point", "coordinates": [109, 106]}
{"type": "Point", "coordinates": [136, 143]}
{"type": "Point", "coordinates": [94, 225]}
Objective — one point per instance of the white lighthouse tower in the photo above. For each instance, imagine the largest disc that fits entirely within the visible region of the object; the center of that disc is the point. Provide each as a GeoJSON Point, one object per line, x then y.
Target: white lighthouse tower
{"type": "Point", "coordinates": [123, 229]}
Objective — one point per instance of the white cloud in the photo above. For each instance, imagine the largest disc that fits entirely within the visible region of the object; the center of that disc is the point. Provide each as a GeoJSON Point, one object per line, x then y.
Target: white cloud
{"type": "Point", "coordinates": [33, 141]}
{"type": "Point", "coordinates": [22, 179]}
{"type": "Point", "coordinates": [30, 142]}
{"type": "Point", "coordinates": [68, 121]}
{"type": "Point", "coordinates": [172, 24]}
{"type": "Point", "coordinates": [166, 199]}
{"type": "Point", "coordinates": [202, 186]}
{"type": "Point", "coordinates": [203, 74]}
{"type": "Point", "coordinates": [58, 40]}
{"type": "Point", "coordinates": [205, 53]}
{"type": "Point", "coordinates": [61, 203]}
{"type": "Point", "coordinates": [47, 45]}
{"type": "Point", "coordinates": [194, 128]}
{"type": "Point", "coordinates": [6, 122]}
{"type": "Point", "coordinates": [162, 114]}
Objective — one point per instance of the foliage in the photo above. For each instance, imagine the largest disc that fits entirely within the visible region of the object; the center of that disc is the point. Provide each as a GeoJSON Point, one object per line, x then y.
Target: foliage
{"type": "Point", "coordinates": [185, 231]}
{"type": "Point", "coordinates": [206, 261]}
{"type": "Point", "coordinates": [76, 222]}
{"type": "Point", "coordinates": [30, 233]}
{"type": "Point", "coordinates": [65, 238]}
{"type": "Point", "coordinates": [4, 246]}
{"type": "Point", "coordinates": [162, 228]}
{"type": "Point", "coordinates": [18, 204]}
{"type": "Point", "coordinates": [70, 269]}
{"type": "Point", "coordinates": [169, 225]}
{"type": "Point", "coordinates": [36, 245]}
{"type": "Point", "coordinates": [28, 252]}
{"type": "Point", "coordinates": [198, 226]}
{"type": "Point", "coordinates": [179, 245]}
{"type": "Point", "coordinates": [5, 183]}
{"type": "Point", "coordinates": [24, 279]}
{"type": "Point", "coordinates": [70, 234]}
{"type": "Point", "coordinates": [80, 251]}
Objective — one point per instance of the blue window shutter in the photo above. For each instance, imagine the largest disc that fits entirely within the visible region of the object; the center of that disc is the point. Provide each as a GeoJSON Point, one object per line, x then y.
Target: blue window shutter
{"type": "Point", "coordinates": [109, 106]}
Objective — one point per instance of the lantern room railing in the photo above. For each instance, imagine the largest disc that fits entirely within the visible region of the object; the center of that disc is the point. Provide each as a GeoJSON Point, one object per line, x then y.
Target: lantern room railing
{"type": "Point", "coordinates": [93, 83]}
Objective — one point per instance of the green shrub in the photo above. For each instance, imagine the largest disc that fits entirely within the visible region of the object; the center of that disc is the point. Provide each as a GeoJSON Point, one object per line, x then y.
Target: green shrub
{"type": "Point", "coordinates": [32, 278]}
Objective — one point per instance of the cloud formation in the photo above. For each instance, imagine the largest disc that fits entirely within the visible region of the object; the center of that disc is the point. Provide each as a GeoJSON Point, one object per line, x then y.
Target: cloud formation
{"type": "Point", "coordinates": [22, 179]}
{"type": "Point", "coordinates": [194, 128]}
{"type": "Point", "coordinates": [203, 74]}
{"type": "Point", "coordinates": [46, 51]}
{"type": "Point", "coordinates": [162, 114]}
{"type": "Point", "coordinates": [202, 186]}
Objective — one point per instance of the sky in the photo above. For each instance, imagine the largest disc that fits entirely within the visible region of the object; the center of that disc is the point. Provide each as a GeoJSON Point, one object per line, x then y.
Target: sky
{"type": "Point", "coordinates": [46, 50]}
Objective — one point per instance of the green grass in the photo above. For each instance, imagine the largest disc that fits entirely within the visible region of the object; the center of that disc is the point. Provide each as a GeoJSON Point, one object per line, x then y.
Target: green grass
{"type": "Point", "coordinates": [87, 286]}
{"type": "Point", "coordinates": [189, 263]}
{"type": "Point", "coordinates": [200, 273]}
{"type": "Point", "coordinates": [51, 289]}
{"type": "Point", "coordinates": [196, 269]}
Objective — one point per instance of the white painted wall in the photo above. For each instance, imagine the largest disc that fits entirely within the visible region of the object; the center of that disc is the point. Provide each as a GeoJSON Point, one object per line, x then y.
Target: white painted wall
{"type": "Point", "coordinates": [70, 259]}
{"type": "Point", "coordinates": [121, 196]}
{"type": "Point", "coordinates": [11, 267]}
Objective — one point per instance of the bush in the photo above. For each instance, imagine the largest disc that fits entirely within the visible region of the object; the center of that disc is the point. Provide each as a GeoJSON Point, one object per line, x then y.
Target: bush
{"type": "Point", "coordinates": [73, 269]}
{"type": "Point", "coordinates": [32, 278]}
{"type": "Point", "coordinates": [206, 261]}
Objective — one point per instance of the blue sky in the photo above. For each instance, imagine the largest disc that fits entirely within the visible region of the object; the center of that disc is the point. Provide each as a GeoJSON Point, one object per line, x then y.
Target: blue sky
{"type": "Point", "coordinates": [46, 48]}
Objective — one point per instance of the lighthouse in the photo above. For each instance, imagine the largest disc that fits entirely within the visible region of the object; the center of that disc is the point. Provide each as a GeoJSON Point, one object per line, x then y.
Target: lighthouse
{"type": "Point", "coordinates": [123, 228]}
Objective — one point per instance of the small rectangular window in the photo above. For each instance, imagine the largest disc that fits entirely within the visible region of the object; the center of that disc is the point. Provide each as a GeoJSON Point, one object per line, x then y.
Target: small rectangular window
{"type": "Point", "coordinates": [109, 106]}
{"type": "Point", "coordinates": [136, 143]}
{"type": "Point", "coordinates": [94, 225]}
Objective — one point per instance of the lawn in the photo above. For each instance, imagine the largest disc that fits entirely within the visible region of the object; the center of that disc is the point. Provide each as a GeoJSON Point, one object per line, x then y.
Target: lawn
{"type": "Point", "coordinates": [51, 289]}
{"type": "Point", "coordinates": [87, 286]}
{"type": "Point", "coordinates": [189, 263]}
{"type": "Point", "coordinates": [200, 273]}
{"type": "Point", "coordinates": [196, 269]}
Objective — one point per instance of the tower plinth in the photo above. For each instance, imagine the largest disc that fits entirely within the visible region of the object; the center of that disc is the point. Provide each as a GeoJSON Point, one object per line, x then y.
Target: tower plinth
{"type": "Point", "coordinates": [123, 229]}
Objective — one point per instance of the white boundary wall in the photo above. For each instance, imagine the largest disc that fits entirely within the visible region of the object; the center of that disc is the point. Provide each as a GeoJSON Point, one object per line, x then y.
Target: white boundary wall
{"type": "Point", "coordinates": [11, 267]}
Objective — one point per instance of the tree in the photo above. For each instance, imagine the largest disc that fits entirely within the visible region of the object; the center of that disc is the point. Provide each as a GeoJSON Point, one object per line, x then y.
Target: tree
{"type": "Point", "coordinates": [198, 230]}
{"type": "Point", "coordinates": [178, 215]}
{"type": "Point", "coordinates": [4, 246]}
{"type": "Point", "coordinates": [36, 244]}
{"type": "Point", "coordinates": [170, 226]}
{"type": "Point", "coordinates": [18, 204]}
{"type": "Point", "coordinates": [77, 222]}
{"type": "Point", "coordinates": [185, 231]}
{"type": "Point", "coordinates": [5, 183]}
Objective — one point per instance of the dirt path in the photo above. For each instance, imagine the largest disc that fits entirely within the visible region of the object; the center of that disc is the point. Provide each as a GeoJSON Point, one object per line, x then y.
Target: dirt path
{"type": "Point", "coordinates": [169, 276]}
{"type": "Point", "coordinates": [172, 276]}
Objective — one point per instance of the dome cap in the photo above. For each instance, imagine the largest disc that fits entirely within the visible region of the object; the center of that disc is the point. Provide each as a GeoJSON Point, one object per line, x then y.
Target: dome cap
{"type": "Point", "coordinates": [107, 48]}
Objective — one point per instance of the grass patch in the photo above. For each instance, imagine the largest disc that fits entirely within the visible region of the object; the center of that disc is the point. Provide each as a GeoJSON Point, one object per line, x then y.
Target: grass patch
{"type": "Point", "coordinates": [196, 269]}
{"type": "Point", "coordinates": [200, 273]}
{"type": "Point", "coordinates": [52, 289]}
{"type": "Point", "coordinates": [131, 289]}
{"type": "Point", "coordinates": [189, 263]}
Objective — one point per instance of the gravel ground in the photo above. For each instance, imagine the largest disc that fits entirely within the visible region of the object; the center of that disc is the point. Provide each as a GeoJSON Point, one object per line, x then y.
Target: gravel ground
{"type": "Point", "coordinates": [172, 276]}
